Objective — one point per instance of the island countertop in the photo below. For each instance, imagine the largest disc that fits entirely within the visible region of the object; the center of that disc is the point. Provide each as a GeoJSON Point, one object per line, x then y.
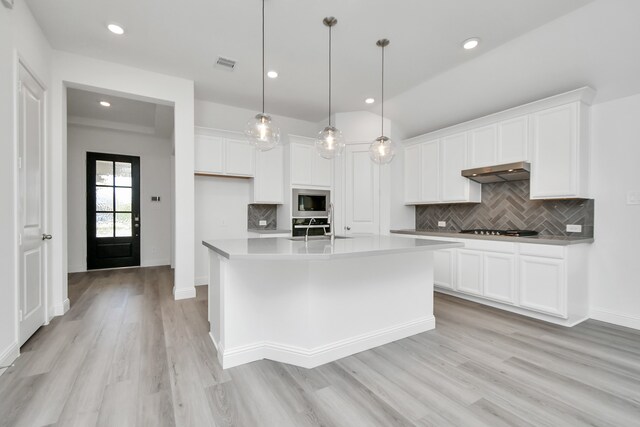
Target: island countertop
{"type": "Point", "coordinates": [280, 248]}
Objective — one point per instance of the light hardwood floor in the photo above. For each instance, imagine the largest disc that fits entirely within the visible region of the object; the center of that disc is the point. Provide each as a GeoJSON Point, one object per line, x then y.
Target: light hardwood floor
{"type": "Point", "coordinates": [127, 354]}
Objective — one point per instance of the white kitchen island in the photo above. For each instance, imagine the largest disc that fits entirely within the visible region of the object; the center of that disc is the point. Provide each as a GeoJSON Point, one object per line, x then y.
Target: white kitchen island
{"type": "Point", "coordinates": [309, 303]}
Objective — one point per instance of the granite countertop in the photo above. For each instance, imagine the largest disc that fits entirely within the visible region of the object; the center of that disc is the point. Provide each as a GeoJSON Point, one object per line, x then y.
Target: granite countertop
{"type": "Point", "coordinates": [265, 231]}
{"type": "Point", "coordinates": [542, 240]}
{"type": "Point", "coordinates": [352, 247]}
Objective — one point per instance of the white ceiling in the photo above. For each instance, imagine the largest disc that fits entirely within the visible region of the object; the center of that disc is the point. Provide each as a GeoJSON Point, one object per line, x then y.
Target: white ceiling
{"type": "Point", "coordinates": [83, 108]}
{"type": "Point", "coordinates": [184, 38]}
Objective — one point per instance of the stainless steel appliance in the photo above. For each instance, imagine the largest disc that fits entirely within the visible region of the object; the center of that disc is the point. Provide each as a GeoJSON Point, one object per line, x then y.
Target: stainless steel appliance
{"type": "Point", "coordinates": [310, 203]}
{"type": "Point", "coordinates": [500, 173]}
{"type": "Point", "coordinates": [301, 227]}
{"type": "Point", "coordinates": [490, 232]}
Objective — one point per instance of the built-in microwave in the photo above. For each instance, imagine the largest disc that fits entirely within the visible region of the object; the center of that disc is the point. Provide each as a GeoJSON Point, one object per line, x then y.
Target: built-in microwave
{"type": "Point", "coordinates": [310, 203]}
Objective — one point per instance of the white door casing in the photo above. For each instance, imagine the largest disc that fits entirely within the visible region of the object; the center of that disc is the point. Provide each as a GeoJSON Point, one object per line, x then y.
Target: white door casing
{"type": "Point", "coordinates": [31, 206]}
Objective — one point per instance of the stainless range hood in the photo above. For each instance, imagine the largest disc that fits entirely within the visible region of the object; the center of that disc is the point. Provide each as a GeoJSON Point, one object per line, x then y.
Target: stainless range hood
{"type": "Point", "coordinates": [489, 174]}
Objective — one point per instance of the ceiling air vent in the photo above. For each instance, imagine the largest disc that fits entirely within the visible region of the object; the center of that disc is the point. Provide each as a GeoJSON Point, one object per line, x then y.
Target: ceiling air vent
{"type": "Point", "coordinates": [226, 63]}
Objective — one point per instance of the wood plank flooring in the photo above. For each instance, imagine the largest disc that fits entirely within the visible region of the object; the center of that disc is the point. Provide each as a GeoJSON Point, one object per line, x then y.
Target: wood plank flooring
{"type": "Point", "coordinates": [126, 354]}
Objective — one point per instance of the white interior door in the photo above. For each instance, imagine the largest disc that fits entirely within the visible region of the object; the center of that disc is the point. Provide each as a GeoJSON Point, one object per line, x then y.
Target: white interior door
{"type": "Point", "coordinates": [362, 187]}
{"type": "Point", "coordinates": [31, 204]}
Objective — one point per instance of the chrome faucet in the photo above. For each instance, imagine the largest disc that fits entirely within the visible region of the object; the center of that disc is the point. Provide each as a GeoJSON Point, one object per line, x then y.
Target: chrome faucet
{"type": "Point", "coordinates": [306, 235]}
{"type": "Point", "coordinates": [332, 230]}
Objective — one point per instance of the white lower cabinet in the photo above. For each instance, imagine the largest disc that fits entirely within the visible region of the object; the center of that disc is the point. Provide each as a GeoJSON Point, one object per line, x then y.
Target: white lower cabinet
{"type": "Point", "coordinates": [443, 273]}
{"type": "Point", "coordinates": [548, 282]}
{"type": "Point", "coordinates": [469, 277]}
{"type": "Point", "coordinates": [499, 277]}
{"type": "Point", "coordinates": [543, 285]}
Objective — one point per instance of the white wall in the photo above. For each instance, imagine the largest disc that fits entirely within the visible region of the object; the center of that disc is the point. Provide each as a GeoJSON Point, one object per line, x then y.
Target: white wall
{"type": "Point", "coordinates": [155, 161]}
{"type": "Point", "coordinates": [615, 267]}
{"type": "Point", "coordinates": [19, 35]}
{"type": "Point", "coordinates": [83, 72]}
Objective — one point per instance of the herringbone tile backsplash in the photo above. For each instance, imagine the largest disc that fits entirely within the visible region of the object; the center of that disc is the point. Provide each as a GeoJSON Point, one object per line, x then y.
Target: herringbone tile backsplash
{"type": "Point", "coordinates": [507, 206]}
{"type": "Point", "coordinates": [268, 213]}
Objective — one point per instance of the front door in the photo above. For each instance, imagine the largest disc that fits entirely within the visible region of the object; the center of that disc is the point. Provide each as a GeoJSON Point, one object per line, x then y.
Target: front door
{"type": "Point", "coordinates": [113, 211]}
{"type": "Point", "coordinates": [31, 204]}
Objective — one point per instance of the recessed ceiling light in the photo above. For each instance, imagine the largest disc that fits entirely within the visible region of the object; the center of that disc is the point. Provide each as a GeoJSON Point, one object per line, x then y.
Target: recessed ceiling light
{"type": "Point", "coordinates": [369, 100]}
{"type": "Point", "coordinates": [471, 43]}
{"type": "Point", "coordinates": [116, 29]}
{"type": "Point", "coordinates": [105, 103]}
{"type": "Point", "coordinates": [272, 74]}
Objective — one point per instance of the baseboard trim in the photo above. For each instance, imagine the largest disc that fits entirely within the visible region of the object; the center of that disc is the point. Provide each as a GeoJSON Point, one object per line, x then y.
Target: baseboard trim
{"type": "Point", "coordinates": [615, 318]}
{"type": "Point", "coordinates": [8, 356]}
{"type": "Point", "coordinates": [201, 281]}
{"type": "Point", "coordinates": [184, 293]}
{"type": "Point", "coordinates": [154, 262]}
{"type": "Point", "coordinates": [61, 309]}
{"type": "Point", "coordinates": [311, 358]}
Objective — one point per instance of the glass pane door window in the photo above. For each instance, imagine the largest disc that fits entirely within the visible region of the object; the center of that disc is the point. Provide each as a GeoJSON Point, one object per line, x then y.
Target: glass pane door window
{"type": "Point", "coordinates": [114, 207]}
{"type": "Point", "coordinates": [113, 210]}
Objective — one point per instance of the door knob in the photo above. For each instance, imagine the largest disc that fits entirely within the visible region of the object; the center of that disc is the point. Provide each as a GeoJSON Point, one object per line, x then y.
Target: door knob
{"type": "Point", "coordinates": [47, 237]}
{"type": "Point", "coordinates": [347, 228]}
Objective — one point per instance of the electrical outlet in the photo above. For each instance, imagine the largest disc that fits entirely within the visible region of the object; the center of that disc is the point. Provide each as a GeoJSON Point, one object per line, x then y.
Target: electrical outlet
{"type": "Point", "coordinates": [633, 197]}
{"type": "Point", "coordinates": [442, 223]}
{"type": "Point", "coordinates": [262, 222]}
{"type": "Point", "coordinates": [574, 228]}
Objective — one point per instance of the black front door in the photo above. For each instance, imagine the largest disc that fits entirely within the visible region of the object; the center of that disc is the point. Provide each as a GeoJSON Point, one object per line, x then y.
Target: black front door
{"type": "Point", "coordinates": [113, 211]}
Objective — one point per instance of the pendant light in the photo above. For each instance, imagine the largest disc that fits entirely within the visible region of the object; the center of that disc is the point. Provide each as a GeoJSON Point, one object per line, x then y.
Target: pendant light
{"type": "Point", "coordinates": [260, 130]}
{"type": "Point", "coordinates": [330, 142]}
{"type": "Point", "coordinates": [382, 149]}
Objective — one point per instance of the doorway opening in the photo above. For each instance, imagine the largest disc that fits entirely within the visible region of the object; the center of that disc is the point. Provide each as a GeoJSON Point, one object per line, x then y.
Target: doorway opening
{"type": "Point", "coordinates": [119, 181]}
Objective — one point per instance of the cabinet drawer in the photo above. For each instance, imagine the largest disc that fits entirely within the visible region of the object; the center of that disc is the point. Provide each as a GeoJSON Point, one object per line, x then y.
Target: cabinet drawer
{"type": "Point", "coordinates": [489, 245]}
{"type": "Point", "coordinates": [547, 251]}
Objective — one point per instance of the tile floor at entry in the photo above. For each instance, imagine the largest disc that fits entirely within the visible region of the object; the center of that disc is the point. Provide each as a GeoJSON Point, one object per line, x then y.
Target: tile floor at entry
{"type": "Point", "coordinates": [127, 354]}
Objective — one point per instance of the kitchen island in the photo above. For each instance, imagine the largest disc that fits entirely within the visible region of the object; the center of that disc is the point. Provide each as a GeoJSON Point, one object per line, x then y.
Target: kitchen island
{"type": "Point", "coordinates": [309, 303]}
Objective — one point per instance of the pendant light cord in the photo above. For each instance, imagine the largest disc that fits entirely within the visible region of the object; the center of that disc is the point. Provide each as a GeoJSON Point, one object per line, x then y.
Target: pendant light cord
{"type": "Point", "coordinates": [330, 27]}
{"type": "Point", "coordinates": [263, 56]}
{"type": "Point", "coordinates": [382, 95]}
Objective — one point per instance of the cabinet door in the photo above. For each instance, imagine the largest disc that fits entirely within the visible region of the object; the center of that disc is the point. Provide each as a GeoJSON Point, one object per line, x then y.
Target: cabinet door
{"type": "Point", "coordinates": [239, 157]}
{"type": "Point", "coordinates": [209, 152]}
{"type": "Point", "coordinates": [268, 184]}
{"type": "Point", "coordinates": [443, 262]}
{"type": "Point", "coordinates": [300, 163]}
{"type": "Point", "coordinates": [499, 277]}
{"type": "Point", "coordinates": [412, 174]}
{"type": "Point", "coordinates": [469, 272]}
{"type": "Point", "coordinates": [554, 167]}
{"type": "Point", "coordinates": [361, 191]}
{"type": "Point", "coordinates": [513, 140]}
{"type": "Point", "coordinates": [543, 285]}
{"type": "Point", "coordinates": [483, 146]}
{"type": "Point", "coordinates": [320, 170]}
{"type": "Point", "coordinates": [453, 154]}
{"type": "Point", "coordinates": [430, 172]}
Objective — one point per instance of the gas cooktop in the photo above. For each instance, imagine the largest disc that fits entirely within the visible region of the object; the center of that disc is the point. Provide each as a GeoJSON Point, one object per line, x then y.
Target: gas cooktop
{"type": "Point", "coordinates": [490, 232]}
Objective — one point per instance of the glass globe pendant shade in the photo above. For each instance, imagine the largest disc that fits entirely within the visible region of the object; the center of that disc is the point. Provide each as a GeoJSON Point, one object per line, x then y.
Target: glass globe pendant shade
{"type": "Point", "coordinates": [330, 143]}
{"type": "Point", "coordinates": [262, 133]}
{"type": "Point", "coordinates": [382, 150]}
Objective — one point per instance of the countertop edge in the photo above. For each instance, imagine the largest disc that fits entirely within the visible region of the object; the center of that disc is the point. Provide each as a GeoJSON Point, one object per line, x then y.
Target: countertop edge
{"type": "Point", "coordinates": [530, 240]}
{"type": "Point", "coordinates": [320, 257]}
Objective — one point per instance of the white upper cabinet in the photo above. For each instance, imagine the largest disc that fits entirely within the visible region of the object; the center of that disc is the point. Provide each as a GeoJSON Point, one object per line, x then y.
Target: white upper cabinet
{"type": "Point", "coordinates": [307, 167]}
{"type": "Point", "coordinates": [268, 184]}
{"type": "Point", "coordinates": [483, 146]}
{"type": "Point", "coordinates": [430, 172]}
{"type": "Point", "coordinates": [239, 157]}
{"type": "Point", "coordinates": [453, 159]}
{"type": "Point", "coordinates": [412, 172]}
{"type": "Point", "coordinates": [513, 140]}
{"type": "Point", "coordinates": [209, 151]}
{"type": "Point", "coordinates": [223, 153]}
{"type": "Point", "coordinates": [559, 167]}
